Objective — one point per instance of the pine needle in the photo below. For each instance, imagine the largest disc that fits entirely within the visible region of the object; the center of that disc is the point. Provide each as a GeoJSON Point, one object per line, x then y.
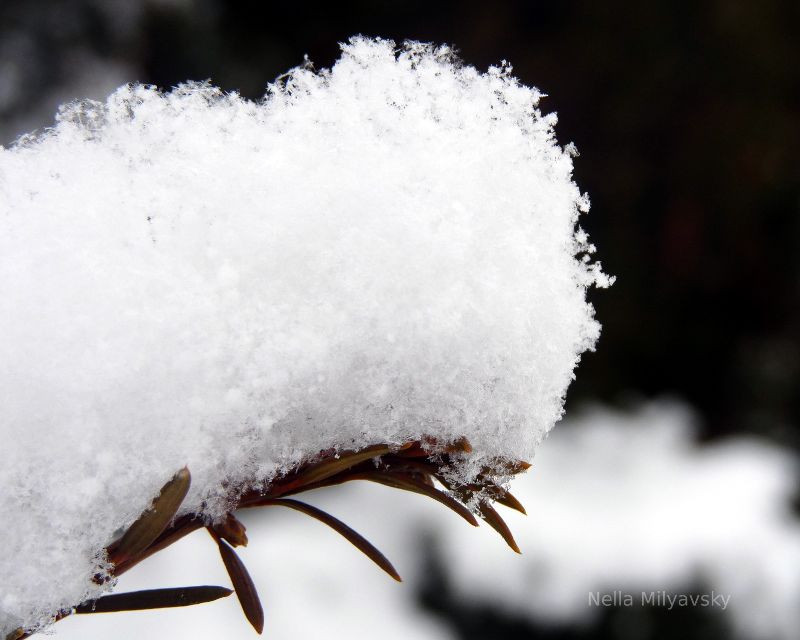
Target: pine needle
{"type": "Point", "coordinates": [355, 538]}
{"type": "Point", "coordinates": [154, 520]}
{"type": "Point", "coordinates": [242, 583]}
{"type": "Point", "coordinates": [498, 524]}
{"type": "Point", "coordinates": [153, 599]}
{"type": "Point", "coordinates": [409, 483]}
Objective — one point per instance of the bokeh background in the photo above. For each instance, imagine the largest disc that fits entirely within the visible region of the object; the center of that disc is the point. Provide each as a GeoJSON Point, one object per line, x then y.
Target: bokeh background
{"type": "Point", "coordinates": [676, 467]}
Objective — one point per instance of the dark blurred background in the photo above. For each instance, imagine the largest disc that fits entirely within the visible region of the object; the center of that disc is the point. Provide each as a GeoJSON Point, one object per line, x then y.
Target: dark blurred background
{"type": "Point", "coordinates": [686, 116]}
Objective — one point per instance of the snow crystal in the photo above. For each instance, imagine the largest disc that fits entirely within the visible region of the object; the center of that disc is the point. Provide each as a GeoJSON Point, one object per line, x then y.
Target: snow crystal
{"type": "Point", "coordinates": [372, 253]}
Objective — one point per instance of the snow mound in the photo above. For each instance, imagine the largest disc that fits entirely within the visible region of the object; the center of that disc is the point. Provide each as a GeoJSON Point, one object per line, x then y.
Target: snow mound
{"type": "Point", "coordinates": [372, 253]}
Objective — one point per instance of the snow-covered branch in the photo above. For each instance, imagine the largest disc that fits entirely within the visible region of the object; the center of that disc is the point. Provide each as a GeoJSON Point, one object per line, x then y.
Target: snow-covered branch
{"type": "Point", "coordinates": [380, 252]}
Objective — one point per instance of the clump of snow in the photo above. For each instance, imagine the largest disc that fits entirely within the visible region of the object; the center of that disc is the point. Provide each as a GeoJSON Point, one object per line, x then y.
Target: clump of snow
{"type": "Point", "coordinates": [372, 253]}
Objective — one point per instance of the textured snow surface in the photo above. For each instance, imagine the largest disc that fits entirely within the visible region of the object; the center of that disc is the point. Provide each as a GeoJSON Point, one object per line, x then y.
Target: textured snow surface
{"type": "Point", "coordinates": [372, 253]}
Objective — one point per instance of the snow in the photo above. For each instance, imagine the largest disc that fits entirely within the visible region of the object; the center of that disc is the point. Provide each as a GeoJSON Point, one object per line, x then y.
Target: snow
{"type": "Point", "coordinates": [372, 253]}
{"type": "Point", "coordinates": [617, 500]}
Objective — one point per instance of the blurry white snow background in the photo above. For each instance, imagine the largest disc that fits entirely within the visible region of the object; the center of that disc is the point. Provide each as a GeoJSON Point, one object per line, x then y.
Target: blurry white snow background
{"type": "Point", "coordinates": [616, 501]}
{"type": "Point", "coordinates": [382, 251]}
